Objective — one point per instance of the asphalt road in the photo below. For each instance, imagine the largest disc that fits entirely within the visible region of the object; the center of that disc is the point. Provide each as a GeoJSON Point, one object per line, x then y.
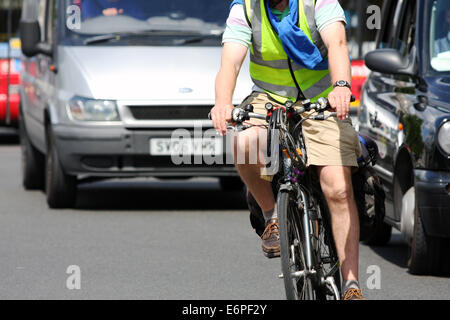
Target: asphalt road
{"type": "Point", "coordinates": [149, 239]}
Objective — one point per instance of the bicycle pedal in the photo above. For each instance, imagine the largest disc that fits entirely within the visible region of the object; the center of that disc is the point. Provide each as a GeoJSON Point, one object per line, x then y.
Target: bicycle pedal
{"type": "Point", "coordinates": [272, 255]}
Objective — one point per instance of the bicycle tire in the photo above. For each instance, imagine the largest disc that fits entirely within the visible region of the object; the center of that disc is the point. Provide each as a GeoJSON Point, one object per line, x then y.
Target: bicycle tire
{"type": "Point", "coordinates": [292, 251]}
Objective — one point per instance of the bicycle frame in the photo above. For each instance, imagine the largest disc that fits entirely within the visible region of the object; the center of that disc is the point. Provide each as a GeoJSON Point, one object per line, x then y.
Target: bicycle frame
{"type": "Point", "coordinates": [290, 182]}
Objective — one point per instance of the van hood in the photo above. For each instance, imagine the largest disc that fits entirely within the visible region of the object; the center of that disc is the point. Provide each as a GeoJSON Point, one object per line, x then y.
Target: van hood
{"type": "Point", "coordinates": [145, 73]}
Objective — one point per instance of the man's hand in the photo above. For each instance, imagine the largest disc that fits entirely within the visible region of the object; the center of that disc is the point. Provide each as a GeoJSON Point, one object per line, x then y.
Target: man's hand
{"type": "Point", "coordinates": [220, 115]}
{"type": "Point", "coordinates": [339, 100]}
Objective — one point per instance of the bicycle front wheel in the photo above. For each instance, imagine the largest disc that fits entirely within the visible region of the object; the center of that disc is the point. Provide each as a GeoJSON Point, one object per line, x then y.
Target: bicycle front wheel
{"type": "Point", "coordinates": [298, 285]}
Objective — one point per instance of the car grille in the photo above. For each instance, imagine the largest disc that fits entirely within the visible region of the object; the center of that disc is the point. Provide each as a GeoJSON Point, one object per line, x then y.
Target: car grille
{"type": "Point", "coordinates": [194, 112]}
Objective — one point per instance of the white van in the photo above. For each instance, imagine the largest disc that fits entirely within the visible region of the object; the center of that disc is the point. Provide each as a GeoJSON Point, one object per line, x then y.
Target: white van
{"type": "Point", "coordinates": [105, 83]}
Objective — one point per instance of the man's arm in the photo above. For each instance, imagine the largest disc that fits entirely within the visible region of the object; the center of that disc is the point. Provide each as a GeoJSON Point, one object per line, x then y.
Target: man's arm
{"type": "Point", "coordinates": [334, 38]}
{"type": "Point", "coordinates": [233, 55]}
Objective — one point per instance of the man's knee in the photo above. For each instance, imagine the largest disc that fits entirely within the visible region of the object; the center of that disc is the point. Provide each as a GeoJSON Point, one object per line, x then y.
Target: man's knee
{"type": "Point", "coordinates": [340, 192]}
{"type": "Point", "coordinates": [336, 183]}
{"type": "Point", "coordinates": [337, 189]}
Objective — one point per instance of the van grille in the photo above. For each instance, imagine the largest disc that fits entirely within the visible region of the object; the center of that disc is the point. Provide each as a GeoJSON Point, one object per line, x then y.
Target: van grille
{"type": "Point", "coordinates": [194, 112]}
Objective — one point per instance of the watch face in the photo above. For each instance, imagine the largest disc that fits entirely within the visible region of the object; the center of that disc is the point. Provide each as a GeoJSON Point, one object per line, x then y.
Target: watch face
{"type": "Point", "coordinates": [342, 83]}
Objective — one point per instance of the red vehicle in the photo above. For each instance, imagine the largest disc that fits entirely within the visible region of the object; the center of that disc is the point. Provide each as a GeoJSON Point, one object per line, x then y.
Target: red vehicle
{"type": "Point", "coordinates": [9, 92]}
{"type": "Point", "coordinates": [361, 40]}
{"type": "Point", "coordinates": [9, 63]}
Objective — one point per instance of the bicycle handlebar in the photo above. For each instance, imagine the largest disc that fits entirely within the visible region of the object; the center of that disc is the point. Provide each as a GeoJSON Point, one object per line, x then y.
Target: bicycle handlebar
{"type": "Point", "coordinates": [240, 115]}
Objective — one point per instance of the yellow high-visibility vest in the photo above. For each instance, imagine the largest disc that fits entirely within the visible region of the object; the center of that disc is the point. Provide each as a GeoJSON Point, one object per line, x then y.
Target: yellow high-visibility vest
{"type": "Point", "coordinates": [270, 67]}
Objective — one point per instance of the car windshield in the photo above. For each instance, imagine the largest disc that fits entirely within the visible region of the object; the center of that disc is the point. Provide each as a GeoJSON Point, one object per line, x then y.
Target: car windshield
{"type": "Point", "coordinates": [440, 36]}
{"type": "Point", "coordinates": [88, 18]}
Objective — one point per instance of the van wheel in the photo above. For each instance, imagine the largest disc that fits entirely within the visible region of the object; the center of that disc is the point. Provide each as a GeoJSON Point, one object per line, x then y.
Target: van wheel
{"type": "Point", "coordinates": [425, 251]}
{"type": "Point", "coordinates": [33, 162]}
{"type": "Point", "coordinates": [231, 183]}
{"type": "Point", "coordinates": [61, 188]}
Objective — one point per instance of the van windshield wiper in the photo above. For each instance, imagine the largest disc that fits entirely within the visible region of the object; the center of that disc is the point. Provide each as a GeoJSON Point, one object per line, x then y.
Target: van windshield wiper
{"type": "Point", "coordinates": [195, 39]}
{"type": "Point", "coordinates": [118, 35]}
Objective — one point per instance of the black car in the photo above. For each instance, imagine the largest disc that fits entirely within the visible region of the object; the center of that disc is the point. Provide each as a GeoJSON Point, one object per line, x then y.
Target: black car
{"type": "Point", "coordinates": [405, 108]}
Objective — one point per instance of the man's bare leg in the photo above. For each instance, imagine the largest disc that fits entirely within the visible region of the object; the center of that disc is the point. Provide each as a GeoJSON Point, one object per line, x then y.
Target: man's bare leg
{"type": "Point", "coordinates": [250, 172]}
{"type": "Point", "coordinates": [337, 187]}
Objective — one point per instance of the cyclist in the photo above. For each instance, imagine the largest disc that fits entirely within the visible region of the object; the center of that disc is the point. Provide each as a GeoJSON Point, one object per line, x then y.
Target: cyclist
{"type": "Point", "coordinates": [298, 50]}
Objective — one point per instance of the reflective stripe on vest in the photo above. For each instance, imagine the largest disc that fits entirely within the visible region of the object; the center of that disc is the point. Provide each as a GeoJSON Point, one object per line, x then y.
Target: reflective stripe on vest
{"type": "Point", "coordinates": [269, 66]}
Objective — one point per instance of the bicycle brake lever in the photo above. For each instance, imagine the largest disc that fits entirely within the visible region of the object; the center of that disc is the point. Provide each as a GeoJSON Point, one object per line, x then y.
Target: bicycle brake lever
{"type": "Point", "coordinates": [323, 116]}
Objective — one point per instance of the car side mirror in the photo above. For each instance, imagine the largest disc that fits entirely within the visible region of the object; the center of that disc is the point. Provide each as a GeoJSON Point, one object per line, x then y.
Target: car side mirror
{"type": "Point", "coordinates": [390, 61]}
{"type": "Point", "coordinates": [30, 36]}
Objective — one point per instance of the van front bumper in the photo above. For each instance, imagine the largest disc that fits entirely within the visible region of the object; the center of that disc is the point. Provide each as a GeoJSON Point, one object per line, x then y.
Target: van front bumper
{"type": "Point", "coordinates": [434, 201]}
{"type": "Point", "coordinates": [118, 152]}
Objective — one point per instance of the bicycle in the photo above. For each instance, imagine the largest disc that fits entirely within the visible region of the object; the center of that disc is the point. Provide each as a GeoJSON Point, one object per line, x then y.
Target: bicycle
{"type": "Point", "coordinates": [309, 261]}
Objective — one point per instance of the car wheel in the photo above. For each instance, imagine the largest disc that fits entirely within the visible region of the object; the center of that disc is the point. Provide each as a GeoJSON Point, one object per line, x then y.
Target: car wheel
{"type": "Point", "coordinates": [425, 251]}
{"type": "Point", "coordinates": [61, 188]}
{"type": "Point", "coordinates": [231, 183]}
{"type": "Point", "coordinates": [33, 162]}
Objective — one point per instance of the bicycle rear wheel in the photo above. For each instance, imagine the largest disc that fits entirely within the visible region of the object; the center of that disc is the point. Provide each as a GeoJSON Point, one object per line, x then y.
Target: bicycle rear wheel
{"type": "Point", "coordinates": [293, 258]}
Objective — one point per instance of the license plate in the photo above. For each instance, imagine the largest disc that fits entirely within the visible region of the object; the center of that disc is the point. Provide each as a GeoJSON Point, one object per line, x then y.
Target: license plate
{"type": "Point", "coordinates": [193, 146]}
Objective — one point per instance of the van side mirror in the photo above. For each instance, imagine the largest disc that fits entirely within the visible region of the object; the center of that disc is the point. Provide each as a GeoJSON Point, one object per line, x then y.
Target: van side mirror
{"type": "Point", "coordinates": [391, 62]}
{"type": "Point", "coordinates": [30, 36]}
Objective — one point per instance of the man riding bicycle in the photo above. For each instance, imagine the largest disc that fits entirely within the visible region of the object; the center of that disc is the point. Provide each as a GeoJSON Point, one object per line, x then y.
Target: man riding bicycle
{"type": "Point", "coordinates": [298, 51]}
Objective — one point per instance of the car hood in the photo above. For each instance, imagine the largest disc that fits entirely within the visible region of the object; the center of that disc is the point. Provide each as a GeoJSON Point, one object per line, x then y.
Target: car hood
{"type": "Point", "coordinates": [439, 88]}
{"type": "Point", "coordinates": [145, 73]}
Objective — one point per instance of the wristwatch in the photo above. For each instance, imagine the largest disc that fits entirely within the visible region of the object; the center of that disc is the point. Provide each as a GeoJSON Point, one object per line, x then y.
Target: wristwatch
{"type": "Point", "coordinates": [342, 83]}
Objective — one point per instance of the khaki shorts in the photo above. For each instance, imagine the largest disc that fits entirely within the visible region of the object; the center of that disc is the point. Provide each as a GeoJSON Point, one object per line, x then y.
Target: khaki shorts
{"type": "Point", "coordinates": [330, 142]}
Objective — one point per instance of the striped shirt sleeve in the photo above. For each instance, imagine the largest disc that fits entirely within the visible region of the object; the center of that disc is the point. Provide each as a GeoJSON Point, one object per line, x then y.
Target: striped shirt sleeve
{"type": "Point", "coordinates": [327, 12]}
{"type": "Point", "coordinates": [237, 28]}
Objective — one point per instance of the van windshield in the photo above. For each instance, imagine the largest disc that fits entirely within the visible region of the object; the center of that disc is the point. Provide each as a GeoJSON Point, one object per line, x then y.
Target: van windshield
{"type": "Point", "coordinates": [87, 18]}
{"type": "Point", "coordinates": [440, 36]}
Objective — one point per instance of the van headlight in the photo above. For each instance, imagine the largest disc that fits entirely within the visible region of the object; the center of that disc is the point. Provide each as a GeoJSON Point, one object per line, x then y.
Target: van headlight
{"type": "Point", "coordinates": [82, 109]}
{"type": "Point", "coordinates": [444, 137]}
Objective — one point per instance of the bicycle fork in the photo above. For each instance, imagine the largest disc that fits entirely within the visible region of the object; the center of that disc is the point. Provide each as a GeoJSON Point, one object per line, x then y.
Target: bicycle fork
{"type": "Point", "coordinates": [327, 280]}
{"type": "Point", "coordinates": [306, 230]}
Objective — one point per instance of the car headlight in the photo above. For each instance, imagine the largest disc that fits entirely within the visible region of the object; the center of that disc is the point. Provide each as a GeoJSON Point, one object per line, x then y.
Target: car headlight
{"type": "Point", "coordinates": [444, 137]}
{"type": "Point", "coordinates": [82, 109]}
